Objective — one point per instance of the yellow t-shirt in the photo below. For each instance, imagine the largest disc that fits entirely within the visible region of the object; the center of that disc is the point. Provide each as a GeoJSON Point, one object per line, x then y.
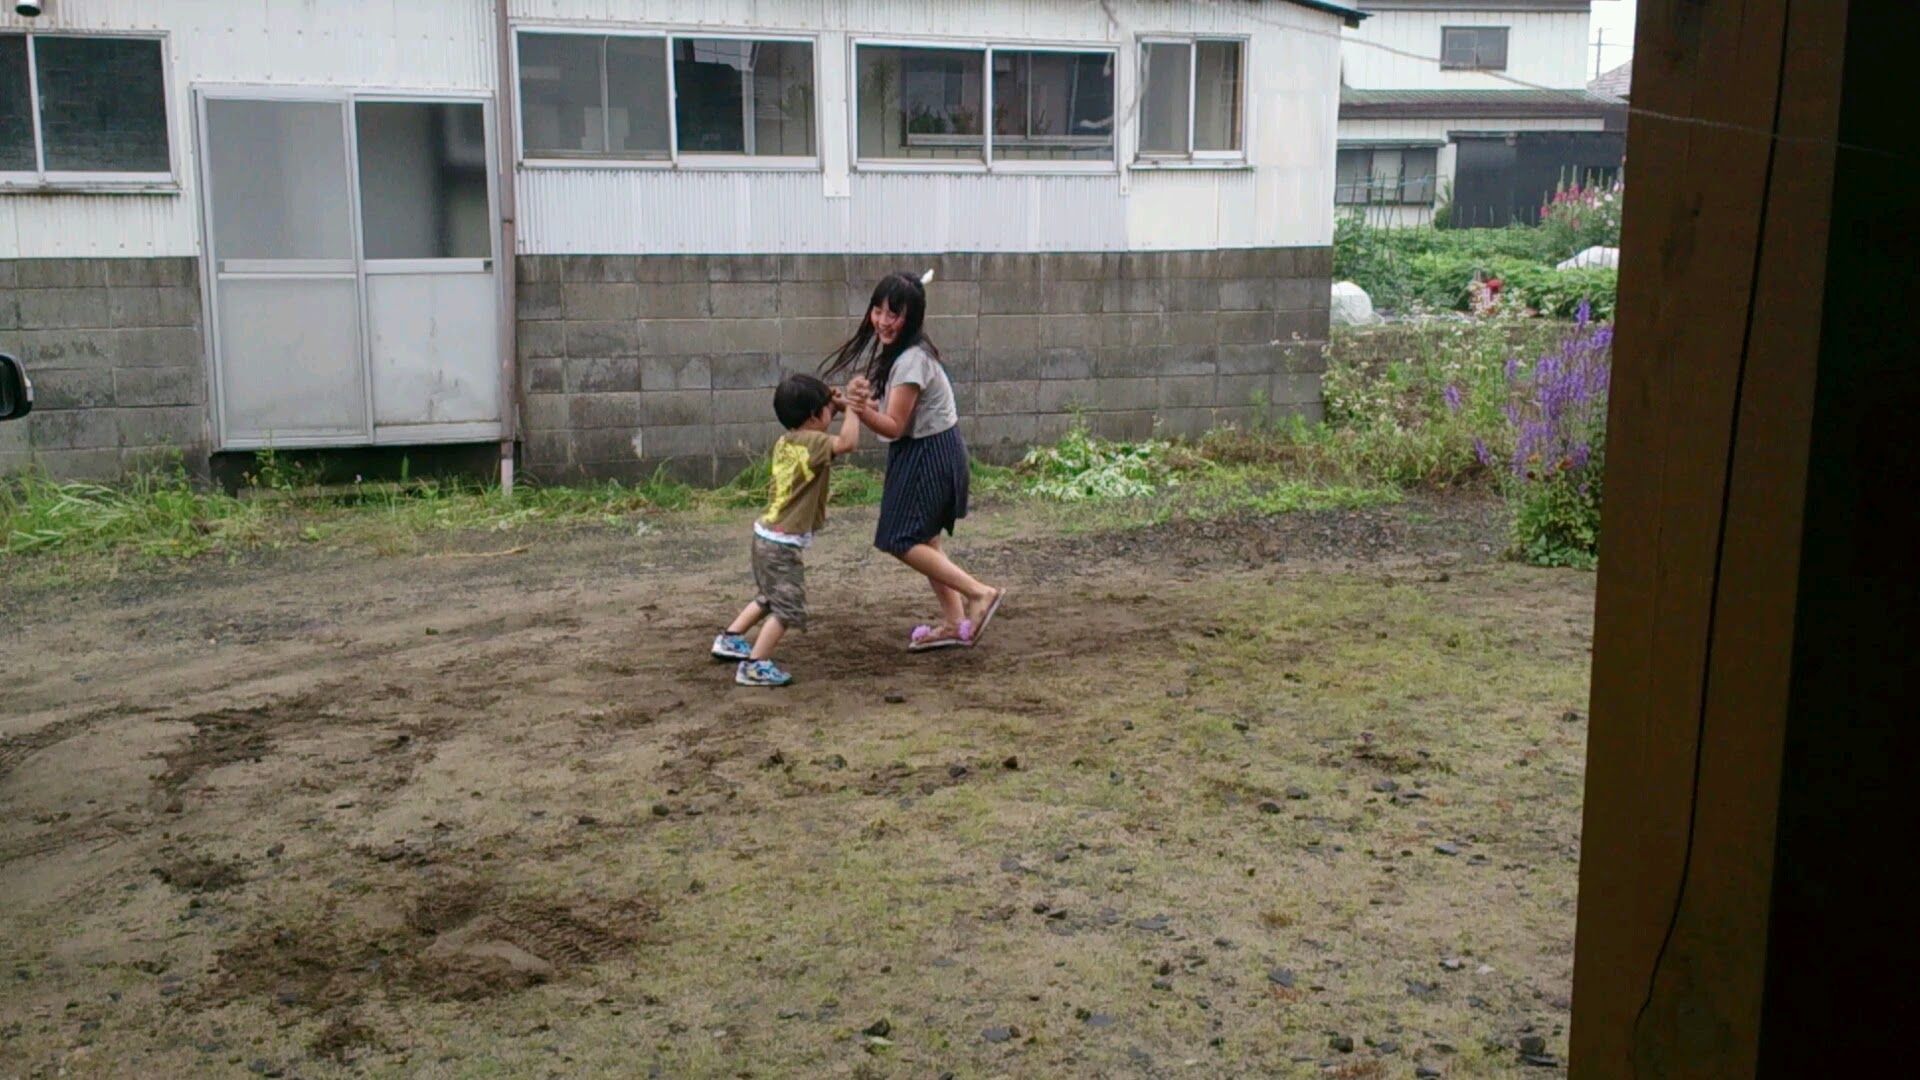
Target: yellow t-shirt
{"type": "Point", "coordinates": [801, 462]}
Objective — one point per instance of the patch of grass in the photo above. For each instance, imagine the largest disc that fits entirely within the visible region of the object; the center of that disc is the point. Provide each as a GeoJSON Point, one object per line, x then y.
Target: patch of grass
{"type": "Point", "coordinates": [160, 515]}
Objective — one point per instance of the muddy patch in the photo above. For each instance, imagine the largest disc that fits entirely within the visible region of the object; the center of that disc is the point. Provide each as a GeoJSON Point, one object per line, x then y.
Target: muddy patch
{"type": "Point", "coordinates": [194, 872]}
{"type": "Point", "coordinates": [459, 940]}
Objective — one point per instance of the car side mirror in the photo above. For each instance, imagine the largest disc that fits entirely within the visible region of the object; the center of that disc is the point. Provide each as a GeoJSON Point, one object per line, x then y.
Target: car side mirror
{"type": "Point", "coordinates": [16, 390]}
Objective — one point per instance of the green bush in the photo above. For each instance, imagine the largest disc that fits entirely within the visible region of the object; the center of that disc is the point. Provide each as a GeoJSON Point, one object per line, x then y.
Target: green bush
{"type": "Point", "coordinates": [1081, 466]}
{"type": "Point", "coordinates": [1434, 269]}
{"type": "Point", "coordinates": [1556, 521]}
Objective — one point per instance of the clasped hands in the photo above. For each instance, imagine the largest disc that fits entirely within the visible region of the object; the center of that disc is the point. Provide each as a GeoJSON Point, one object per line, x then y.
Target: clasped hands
{"type": "Point", "coordinates": [857, 395]}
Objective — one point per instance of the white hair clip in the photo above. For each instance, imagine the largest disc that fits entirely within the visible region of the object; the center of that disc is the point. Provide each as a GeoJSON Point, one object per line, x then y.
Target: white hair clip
{"type": "Point", "coordinates": [926, 278]}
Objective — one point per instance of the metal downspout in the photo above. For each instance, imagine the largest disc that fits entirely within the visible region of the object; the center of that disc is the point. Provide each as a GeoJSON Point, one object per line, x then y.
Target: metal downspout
{"type": "Point", "coordinates": [508, 263]}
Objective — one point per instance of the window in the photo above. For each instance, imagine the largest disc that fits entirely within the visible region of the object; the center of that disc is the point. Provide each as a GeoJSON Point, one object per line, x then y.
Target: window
{"type": "Point", "coordinates": [83, 109]}
{"type": "Point", "coordinates": [744, 97]}
{"type": "Point", "coordinates": [1190, 99]}
{"type": "Point", "coordinates": [920, 104]}
{"type": "Point", "coordinates": [929, 104]}
{"type": "Point", "coordinates": [1052, 106]}
{"type": "Point", "coordinates": [631, 98]}
{"type": "Point", "coordinates": [1473, 48]}
{"type": "Point", "coordinates": [1385, 176]}
{"type": "Point", "coordinates": [423, 180]}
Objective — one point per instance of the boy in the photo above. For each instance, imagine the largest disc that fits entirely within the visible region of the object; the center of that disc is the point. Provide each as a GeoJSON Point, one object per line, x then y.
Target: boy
{"type": "Point", "coordinates": [802, 460]}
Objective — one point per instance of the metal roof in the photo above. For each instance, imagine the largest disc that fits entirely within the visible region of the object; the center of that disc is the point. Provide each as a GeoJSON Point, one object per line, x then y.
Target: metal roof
{"type": "Point", "coordinates": [1351, 13]}
{"type": "Point", "coordinates": [1477, 104]}
{"type": "Point", "coordinates": [1617, 83]}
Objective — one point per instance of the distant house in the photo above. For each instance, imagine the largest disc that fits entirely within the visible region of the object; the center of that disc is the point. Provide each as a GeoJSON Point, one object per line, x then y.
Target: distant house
{"type": "Point", "coordinates": [592, 234]}
{"type": "Point", "coordinates": [1615, 85]}
{"type": "Point", "coordinates": [1478, 106]}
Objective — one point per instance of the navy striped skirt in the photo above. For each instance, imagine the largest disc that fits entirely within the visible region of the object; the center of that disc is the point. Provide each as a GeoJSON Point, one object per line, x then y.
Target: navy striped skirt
{"type": "Point", "coordinates": [925, 492]}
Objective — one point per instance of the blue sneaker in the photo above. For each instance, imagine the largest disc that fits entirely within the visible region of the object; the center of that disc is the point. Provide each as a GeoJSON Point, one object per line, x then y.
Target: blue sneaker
{"type": "Point", "coordinates": [732, 647]}
{"type": "Point", "coordinates": [760, 673]}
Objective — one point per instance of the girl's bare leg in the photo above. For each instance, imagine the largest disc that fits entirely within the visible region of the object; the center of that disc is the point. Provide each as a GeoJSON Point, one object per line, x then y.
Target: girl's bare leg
{"type": "Point", "coordinates": [933, 563]}
{"type": "Point", "coordinates": [951, 602]}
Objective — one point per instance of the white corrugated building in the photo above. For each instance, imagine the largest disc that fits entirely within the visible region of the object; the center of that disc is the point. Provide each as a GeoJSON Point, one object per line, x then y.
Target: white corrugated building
{"type": "Point", "coordinates": [1480, 106]}
{"type": "Point", "coordinates": [282, 223]}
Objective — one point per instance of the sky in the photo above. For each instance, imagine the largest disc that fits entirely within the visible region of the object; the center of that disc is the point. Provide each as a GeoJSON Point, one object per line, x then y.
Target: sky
{"type": "Point", "coordinates": [1613, 20]}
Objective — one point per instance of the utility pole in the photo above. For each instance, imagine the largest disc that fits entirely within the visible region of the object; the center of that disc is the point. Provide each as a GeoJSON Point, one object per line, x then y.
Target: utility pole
{"type": "Point", "coordinates": [1599, 51]}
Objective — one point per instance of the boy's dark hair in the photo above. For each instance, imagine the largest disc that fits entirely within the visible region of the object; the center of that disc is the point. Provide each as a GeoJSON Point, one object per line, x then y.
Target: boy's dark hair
{"type": "Point", "coordinates": [800, 398]}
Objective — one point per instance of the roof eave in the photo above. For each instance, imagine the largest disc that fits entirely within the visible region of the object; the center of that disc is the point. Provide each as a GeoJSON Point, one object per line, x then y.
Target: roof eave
{"type": "Point", "coordinates": [1349, 15]}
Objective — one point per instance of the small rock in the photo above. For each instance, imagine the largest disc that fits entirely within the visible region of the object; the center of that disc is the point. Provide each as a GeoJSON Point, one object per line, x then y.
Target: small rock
{"type": "Point", "coordinates": [1012, 764]}
{"type": "Point", "coordinates": [1533, 1044]}
{"type": "Point", "coordinates": [1011, 864]}
{"type": "Point", "coordinates": [1269, 807]}
{"type": "Point", "coordinates": [836, 762]}
{"type": "Point", "coordinates": [1224, 943]}
{"type": "Point", "coordinates": [1163, 984]}
{"type": "Point", "coordinates": [776, 759]}
{"type": "Point", "coordinates": [660, 809]}
{"type": "Point", "coordinates": [1543, 1061]}
{"type": "Point", "coordinates": [896, 699]}
{"type": "Point", "coordinates": [1453, 963]}
{"type": "Point", "coordinates": [1281, 977]}
{"type": "Point", "coordinates": [1570, 717]}
{"type": "Point", "coordinates": [1447, 848]}
{"type": "Point", "coordinates": [1100, 1020]}
{"type": "Point", "coordinates": [1341, 1043]}
{"type": "Point", "coordinates": [1385, 787]}
{"type": "Point", "coordinates": [276, 851]}
{"type": "Point", "coordinates": [1295, 792]}
{"type": "Point", "coordinates": [1000, 1034]}
{"type": "Point", "coordinates": [1421, 990]}
{"type": "Point", "coordinates": [791, 1014]}
{"type": "Point", "coordinates": [1040, 907]}
{"type": "Point", "coordinates": [1155, 924]}
{"type": "Point", "coordinates": [956, 771]}
{"type": "Point", "coordinates": [1427, 1072]}
{"type": "Point", "coordinates": [879, 1029]}
{"type": "Point", "coordinates": [1387, 1047]}
{"type": "Point", "coordinates": [1061, 856]}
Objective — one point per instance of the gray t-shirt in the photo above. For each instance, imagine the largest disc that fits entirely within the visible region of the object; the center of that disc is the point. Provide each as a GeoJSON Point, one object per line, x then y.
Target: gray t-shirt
{"type": "Point", "coordinates": [934, 412]}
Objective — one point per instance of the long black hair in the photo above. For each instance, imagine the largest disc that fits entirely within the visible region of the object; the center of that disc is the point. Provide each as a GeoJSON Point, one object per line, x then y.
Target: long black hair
{"type": "Point", "coordinates": [901, 292]}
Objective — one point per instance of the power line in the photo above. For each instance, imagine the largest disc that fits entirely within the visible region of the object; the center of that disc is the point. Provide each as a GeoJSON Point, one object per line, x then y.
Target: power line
{"type": "Point", "coordinates": [1244, 11]}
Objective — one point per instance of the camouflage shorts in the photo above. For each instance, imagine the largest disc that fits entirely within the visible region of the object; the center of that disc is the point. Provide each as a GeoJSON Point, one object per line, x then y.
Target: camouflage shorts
{"type": "Point", "coordinates": [782, 581]}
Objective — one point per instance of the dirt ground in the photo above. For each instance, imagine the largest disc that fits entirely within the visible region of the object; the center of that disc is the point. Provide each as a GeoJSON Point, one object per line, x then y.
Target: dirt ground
{"type": "Point", "coordinates": [1294, 796]}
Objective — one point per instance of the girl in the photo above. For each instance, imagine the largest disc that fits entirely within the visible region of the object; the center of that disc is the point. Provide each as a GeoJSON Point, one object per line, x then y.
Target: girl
{"type": "Point", "coordinates": [903, 396]}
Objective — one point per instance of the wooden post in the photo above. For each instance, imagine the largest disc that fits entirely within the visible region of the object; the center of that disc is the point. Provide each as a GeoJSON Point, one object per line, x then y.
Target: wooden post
{"type": "Point", "coordinates": [1702, 649]}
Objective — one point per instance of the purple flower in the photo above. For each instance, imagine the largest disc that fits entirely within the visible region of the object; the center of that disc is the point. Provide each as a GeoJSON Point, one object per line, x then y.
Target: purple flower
{"type": "Point", "coordinates": [1481, 453]}
{"type": "Point", "coordinates": [1452, 394]}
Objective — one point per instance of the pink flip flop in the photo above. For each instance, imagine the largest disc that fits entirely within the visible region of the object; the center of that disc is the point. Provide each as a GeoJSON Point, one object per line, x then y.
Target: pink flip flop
{"type": "Point", "coordinates": [970, 634]}
{"type": "Point", "coordinates": [922, 639]}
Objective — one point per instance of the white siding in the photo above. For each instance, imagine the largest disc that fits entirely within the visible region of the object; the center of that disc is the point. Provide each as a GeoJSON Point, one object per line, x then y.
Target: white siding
{"type": "Point", "coordinates": [1543, 49]}
{"type": "Point", "coordinates": [383, 44]}
{"type": "Point", "coordinates": [1283, 198]}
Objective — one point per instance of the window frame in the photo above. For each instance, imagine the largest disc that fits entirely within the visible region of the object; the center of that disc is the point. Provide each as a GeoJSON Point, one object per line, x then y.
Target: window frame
{"type": "Point", "coordinates": [1193, 158]}
{"type": "Point", "coordinates": [42, 179]}
{"type": "Point", "coordinates": [987, 163]}
{"type": "Point", "coordinates": [674, 160]}
{"type": "Point", "coordinates": [1506, 48]}
{"type": "Point", "coordinates": [1400, 189]}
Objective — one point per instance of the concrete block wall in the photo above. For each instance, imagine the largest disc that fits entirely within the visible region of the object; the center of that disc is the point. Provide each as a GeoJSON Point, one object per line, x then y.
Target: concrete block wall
{"type": "Point", "coordinates": [115, 352]}
{"type": "Point", "coordinates": [632, 363]}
